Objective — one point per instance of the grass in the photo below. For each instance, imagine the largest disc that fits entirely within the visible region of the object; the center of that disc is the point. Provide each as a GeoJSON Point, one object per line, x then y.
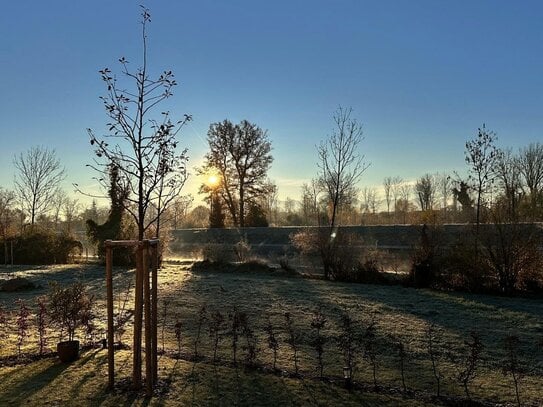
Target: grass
{"type": "Point", "coordinates": [401, 313]}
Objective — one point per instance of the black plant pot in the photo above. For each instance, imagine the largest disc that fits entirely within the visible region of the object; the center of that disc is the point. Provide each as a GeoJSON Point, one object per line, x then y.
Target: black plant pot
{"type": "Point", "coordinates": [68, 351]}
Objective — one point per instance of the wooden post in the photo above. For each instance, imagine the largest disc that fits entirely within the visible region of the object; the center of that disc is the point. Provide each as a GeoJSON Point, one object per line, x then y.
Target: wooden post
{"type": "Point", "coordinates": [148, 332]}
{"type": "Point", "coordinates": [110, 337]}
{"type": "Point", "coordinates": [138, 311]}
{"type": "Point", "coordinates": [145, 296]}
{"type": "Point", "coordinates": [154, 310]}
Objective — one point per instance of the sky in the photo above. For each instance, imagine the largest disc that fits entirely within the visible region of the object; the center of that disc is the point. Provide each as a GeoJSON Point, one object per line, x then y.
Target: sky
{"type": "Point", "coordinates": [421, 76]}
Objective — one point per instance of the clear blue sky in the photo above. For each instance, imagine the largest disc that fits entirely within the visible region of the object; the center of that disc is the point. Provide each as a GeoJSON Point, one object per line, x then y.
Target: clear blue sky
{"type": "Point", "coordinates": [420, 75]}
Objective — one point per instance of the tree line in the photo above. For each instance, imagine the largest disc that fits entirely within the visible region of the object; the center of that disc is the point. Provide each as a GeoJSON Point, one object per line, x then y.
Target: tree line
{"type": "Point", "coordinates": [151, 171]}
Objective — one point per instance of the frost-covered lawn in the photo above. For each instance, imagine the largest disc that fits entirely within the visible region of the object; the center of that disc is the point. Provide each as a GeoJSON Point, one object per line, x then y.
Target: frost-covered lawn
{"type": "Point", "coordinates": [401, 314]}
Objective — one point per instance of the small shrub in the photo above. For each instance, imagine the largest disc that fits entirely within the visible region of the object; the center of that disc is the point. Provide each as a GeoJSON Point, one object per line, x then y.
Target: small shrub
{"type": "Point", "coordinates": [41, 323]}
{"type": "Point", "coordinates": [251, 345]}
{"type": "Point", "coordinates": [164, 316]}
{"type": "Point", "coordinates": [284, 263]}
{"type": "Point", "coordinates": [88, 318]}
{"type": "Point", "coordinates": [3, 321]}
{"type": "Point", "coordinates": [235, 328]}
{"type": "Point", "coordinates": [242, 250]}
{"type": "Point", "coordinates": [178, 336]}
{"type": "Point", "coordinates": [216, 325]}
{"type": "Point", "coordinates": [347, 342]}
{"type": "Point", "coordinates": [22, 324]}
{"type": "Point", "coordinates": [202, 318]}
{"type": "Point", "coordinates": [511, 365]}
{"type": "Point", "coordinates": [122, 316]}
{"type": "Point", "coordinates": [216, 253]}
{"type": "Point", "coordinates": [293, 339]}
{"type": "Point", "coordinates": [370, 347]}
{"type": "Point", "coordinates": [318, 322]}
{"type": "Point", "coordinates": [432, 342]}
{"type": "Point", "coordinates": [368, 271]}
{"type": "Point", "coordinates": [273, 343]}
{"type": "Point", "coordinates": [403, 359]}
{"type": "Point", "coordinates": [470, 361]}
{"type": "Point", "coordinates": [67, 305]}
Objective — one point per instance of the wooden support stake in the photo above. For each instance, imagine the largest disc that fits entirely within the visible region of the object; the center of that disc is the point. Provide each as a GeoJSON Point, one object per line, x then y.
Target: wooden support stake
{"type": "Point", "coordinates": [154, 310]}
{"type": "Point", "coordinates": [138, 311]}
{"type": "Point", "coordinates": [110, 337]}
{"type": "Point", "coordinates": [148, 331]}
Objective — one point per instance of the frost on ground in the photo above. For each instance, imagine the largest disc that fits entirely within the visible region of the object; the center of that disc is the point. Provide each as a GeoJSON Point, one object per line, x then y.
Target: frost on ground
{"type": "Point", "coordinates": [399, 313]}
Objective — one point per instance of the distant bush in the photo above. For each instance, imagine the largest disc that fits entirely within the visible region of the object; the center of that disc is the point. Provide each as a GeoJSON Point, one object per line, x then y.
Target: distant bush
{"type": "Point", "coordinates": [506, 260]}
{"type": "Point", "coordinates": [342, 255]}
{"type": "Point", "coordinates": [242, 250]}
{"type": "Point", "coordinates": [425, 267]}
{"type": "Point", "coordinates": [464, 269]}
{"type": "Point", "coordinates": [512, 253]}
{"type": "Point", "coordinates": [216, 253]}
{"type": "Point", "coordinates": [44, 247]}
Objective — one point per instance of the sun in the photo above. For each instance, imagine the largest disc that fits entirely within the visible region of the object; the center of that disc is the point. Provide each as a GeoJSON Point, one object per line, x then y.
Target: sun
{"type": "Point", "coordinates": [212, 181]}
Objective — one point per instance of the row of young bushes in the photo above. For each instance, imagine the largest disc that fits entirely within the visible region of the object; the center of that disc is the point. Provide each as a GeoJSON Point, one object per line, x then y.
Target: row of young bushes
{"type": "Point", "coordinates": [39, 247]}
{"type": "Point", "coordinates": [233, 338]}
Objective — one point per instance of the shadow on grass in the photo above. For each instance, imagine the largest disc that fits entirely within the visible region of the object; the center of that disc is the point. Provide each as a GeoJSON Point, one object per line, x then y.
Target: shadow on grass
{"type": "Point", "coordinates": [32, 379]}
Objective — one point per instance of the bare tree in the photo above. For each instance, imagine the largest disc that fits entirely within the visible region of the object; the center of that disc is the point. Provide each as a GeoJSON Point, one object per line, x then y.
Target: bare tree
{"type": "Point", "coordinates": [387, 185]}
{"type": "Point", "coordinates": [270, 201]}
{"type": "Point", "coordinates": [7, 199]}
{"type": "Point", "coordinates": [425, 189]}
{"type": "Point", "coordinates": [241, 154]}
{"type": "Point", "coordinates": [39, 174]}
{"type": "Point", "coordinates": [369, 200]}
{"type": "Point", "coordinates": [444, 186]}
{"type": "Point", "coordinates": [396, 189]}
{"type": "Point", "coordinates": [179, 209]}
{"type": "Point", "coordinates": [405, 197]}
{"type": "Point", "coordinates": [70, 209]}
{"type": "Point", "coordinates": [530, 164]}
{"type": "Point", "coordinates": [57, 204]}
{"type": "Point", "coordinates": [509, 178]}
{"type": "Point", "coordinates": [143, 149]}
{"type": "Point", "coordinates": [482, 156]}
{"type": "Point", "coordinates": [310, 203]}
{"type": "Point", "coordinates": [340, 163]}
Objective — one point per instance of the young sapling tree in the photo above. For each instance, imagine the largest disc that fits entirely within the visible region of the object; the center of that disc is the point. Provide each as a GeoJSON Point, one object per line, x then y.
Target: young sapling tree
{"type": "Point", "coordinates": [235, 328]}
{"type": "Point", "coordinates": [41, 323]}
{"type": "Point", "coordinates": [178, 336]}
{"type": "Point", "coordinates": [370, 347]}
{"type": "Point", "coordinates": [216, 326]}
{"type": "Point", "coordinates": [512, 365]}
{"type": "Point", "coordinates": [164, 315]}
{"type": "Point", "coordinates": [293, 339]}
{"type": "Point", "coordinates": [144, 149]}
{"type": "Point", "coordinates": [318, 322]}
{"type": "Point", "coordinates": [202, 318]}
{"type": "Point", "coordinates": [432, 340]}
{"type": "Point", "coordinates": [22, 323]}
{"type": "Point", "coordinates": [347, 342]}
{"type": "Point", "coordinates": [470, 362]}
{"type": "Point", "coordinates": [273, 343]}
{"type": "Point", "coordinates": [251, 346]}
